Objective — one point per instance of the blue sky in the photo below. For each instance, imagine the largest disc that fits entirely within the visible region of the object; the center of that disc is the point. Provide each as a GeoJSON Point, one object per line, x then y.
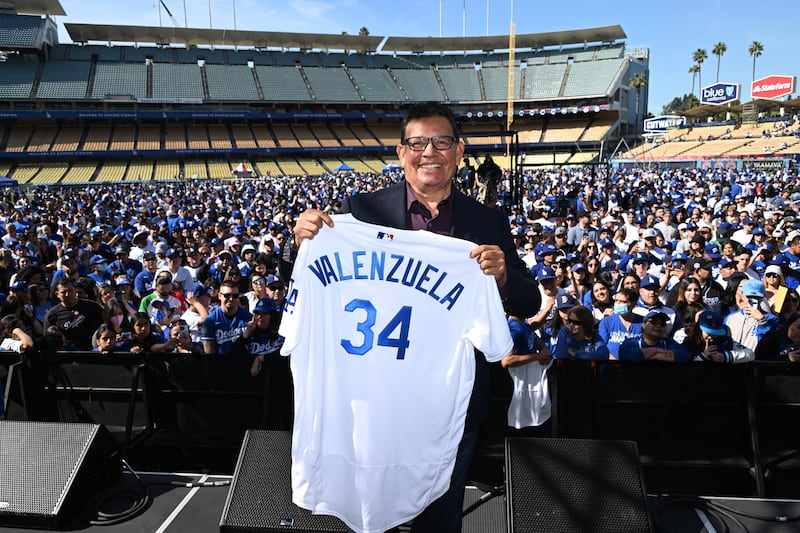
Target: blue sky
{"type": "Point", "coordinates": [672, 30]}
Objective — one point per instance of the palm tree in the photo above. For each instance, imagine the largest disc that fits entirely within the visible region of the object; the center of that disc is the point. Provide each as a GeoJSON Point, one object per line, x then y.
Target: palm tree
{"type": "Point", "coordinates": [638, 82]}
{"type": "Point", "coordinates": [698, 57]}
{"type": "Point", "coordinates": [719, 50]}
{"type": "Point", "coordinates": [693, 70]}
{"type": "Point", "coordinates": [755, 50]}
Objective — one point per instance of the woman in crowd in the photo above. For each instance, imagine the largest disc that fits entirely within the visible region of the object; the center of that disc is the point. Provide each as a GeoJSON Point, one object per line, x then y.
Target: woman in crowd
{"type": "Point", "coordinates": [599, 301]}
{"type": "Point", "coordinates": [689, 292]}
{"type": "Point", "coordinates": [579, 284]}
{"type": "Point", "coordinates": [13, 335]}
{"type": "Point", "coordinates": [258, 290]}
{"type": "Point", "coordinates": [623, 324]}
{"type": "Point", "coordinates": [105, 292]}
{"type": "Point", "coordinates": [592, 269]}
{"type": "Point", "coordinates": [630, 281]}
{"type": "Point", "coordinates": [562, 303]}
{"type": "Point", "coordinates": [38, 297]}
{"type": "Point", "coordinates": [775, 288]}
{"type": "Point", "coordinates": [124, 292]}
{"type": "Point", "coordinates": [17, 306]}
{"type": "Point", "coordinates": [579, 339]}
{"type": "Point", "coordinates": [117, 321]}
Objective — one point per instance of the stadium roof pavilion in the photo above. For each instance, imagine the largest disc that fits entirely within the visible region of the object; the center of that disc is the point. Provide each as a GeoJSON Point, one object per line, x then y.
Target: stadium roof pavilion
{"type": "Point", "coordinates": [311, 41]}
{"type": "Point", "coordinates": [33, 7]}
{"type": "Point", "coordinates": [710, 109]}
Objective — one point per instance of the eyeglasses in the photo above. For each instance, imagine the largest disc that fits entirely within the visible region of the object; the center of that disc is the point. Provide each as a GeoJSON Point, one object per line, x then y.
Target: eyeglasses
{"type": "Point", "coordinates": [258, 281]}
{"type": "Point", "coordinates": [229, 295]}
{"type": "Point", "coordinates": [574, 322]}
{"type": "Point", "coordinates": [657, 323]}
{"type": "Point", "coordinates": [277, 288]}
{"type": "Point", "coordinates": [771, 275]}
{"type": "Point", "coordinates": [419, 144]}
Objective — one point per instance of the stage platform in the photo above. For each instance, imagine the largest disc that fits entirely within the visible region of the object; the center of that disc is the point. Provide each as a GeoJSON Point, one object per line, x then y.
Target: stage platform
{"type": "Point", "coordinates": [182, 509]}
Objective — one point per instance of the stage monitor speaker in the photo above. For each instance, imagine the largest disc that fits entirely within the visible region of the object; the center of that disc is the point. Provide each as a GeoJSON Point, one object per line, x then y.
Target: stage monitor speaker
{"type": "Point", "coordinates": [50, 469]}
{"type": "Point", "coordinates": [260, 497]}
{"type": "Point", "coordinates": [575, 485]}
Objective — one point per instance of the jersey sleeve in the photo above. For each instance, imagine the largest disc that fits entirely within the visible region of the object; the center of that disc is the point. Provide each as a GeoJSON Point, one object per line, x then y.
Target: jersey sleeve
{"type": "Point", "coordinates": [490, 333]}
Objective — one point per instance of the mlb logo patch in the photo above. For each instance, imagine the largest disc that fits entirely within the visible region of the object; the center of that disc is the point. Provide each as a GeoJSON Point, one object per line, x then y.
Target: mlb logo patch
{"type": "Point", "coordinates": [384, 235]}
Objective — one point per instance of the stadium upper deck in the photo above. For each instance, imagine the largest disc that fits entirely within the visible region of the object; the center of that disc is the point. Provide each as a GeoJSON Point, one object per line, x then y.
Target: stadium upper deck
{"type": "Point", "coordinates": [570, 92]}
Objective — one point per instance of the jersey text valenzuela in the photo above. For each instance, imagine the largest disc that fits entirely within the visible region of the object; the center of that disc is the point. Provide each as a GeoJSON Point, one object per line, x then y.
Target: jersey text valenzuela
{"type": "Point", "coordinates": [392, 268]}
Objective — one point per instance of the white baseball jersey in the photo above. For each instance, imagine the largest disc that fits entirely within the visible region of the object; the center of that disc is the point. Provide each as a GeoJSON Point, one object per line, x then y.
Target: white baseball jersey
{"type": "Point", "coordinates": [382, 325]}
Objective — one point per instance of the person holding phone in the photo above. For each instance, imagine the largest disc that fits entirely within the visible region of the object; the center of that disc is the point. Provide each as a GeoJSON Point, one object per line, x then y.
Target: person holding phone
{"type": "Point", "coordinates": [753, 319]}
{"type": "Point", "coordinates": [179, 340]}
{"type": "Point", "coordinates": [708, 339]}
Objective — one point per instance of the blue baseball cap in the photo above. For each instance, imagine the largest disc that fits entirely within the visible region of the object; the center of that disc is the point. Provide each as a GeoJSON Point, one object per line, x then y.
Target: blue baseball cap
{"type": "Point", "coordinates": [265, 305]}
{"type": "Point", "coordinates": [712, 250]}
{"type": "Point", "coordinates": [565, 301]}
{"type": "Point", "coordinates": [726, 262]}
{"type": "Point", "coordinates": [649, 280]}
{"type": "Point", "coordinates": [711, 322]}
{"type": "Point", "coordinates": [642, 257]}
{"type": "Point", "coordinates": [546, 272]}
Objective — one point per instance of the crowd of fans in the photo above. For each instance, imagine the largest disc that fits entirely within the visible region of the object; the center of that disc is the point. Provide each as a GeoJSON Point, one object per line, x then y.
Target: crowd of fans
{"type": "Point", "coordinates": [674, 264]}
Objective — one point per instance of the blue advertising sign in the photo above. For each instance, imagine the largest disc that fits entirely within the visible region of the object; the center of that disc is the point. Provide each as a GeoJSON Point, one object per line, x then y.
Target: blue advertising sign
{"type": "Point", "coordinates": [720, 93]}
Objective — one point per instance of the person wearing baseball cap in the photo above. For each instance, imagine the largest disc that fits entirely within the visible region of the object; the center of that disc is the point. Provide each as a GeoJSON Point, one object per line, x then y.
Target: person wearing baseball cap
{"type": "Point", "coordinates": [260, 339]}
{"type": "Point", "coordinates": [753, 319]}
{"type": "Point", "coordinates": [655, 344]}
{"type": "Point", "coordinates": [702, 271]}
{"type": "Point", "coordinates": [649, 300]}
{"type": "Point", "coordinates": [710, 340]}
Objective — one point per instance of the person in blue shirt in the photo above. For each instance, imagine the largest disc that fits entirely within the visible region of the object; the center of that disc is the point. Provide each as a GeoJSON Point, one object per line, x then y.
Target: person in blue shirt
{"type": "Point", "coordinates": [226, 323]}
{"type": "Point", "coordinates": [624, 324]}
{"type": "Point", "coordinates": [579, 340]}
{"type": "Point", "coordinates": [654, 344]}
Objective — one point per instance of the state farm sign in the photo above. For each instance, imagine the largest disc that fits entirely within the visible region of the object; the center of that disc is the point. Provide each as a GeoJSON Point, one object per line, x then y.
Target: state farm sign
{"type": "Point", "coordinates": [772, 87]}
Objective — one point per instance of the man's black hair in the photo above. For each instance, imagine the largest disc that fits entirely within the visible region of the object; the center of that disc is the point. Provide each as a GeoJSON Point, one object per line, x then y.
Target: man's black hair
{"type": "Point", "coordinates": [428, 110]}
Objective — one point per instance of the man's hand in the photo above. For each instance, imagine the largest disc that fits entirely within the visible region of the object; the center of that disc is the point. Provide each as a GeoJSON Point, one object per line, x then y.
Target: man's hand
{"type": "Point", "coordinates": [492, 261]}
{"type": "Point", "coordinates": [309, 223]}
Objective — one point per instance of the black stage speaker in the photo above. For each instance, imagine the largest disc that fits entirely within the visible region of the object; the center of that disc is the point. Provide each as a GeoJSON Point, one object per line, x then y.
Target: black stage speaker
{"type": "Point", "coordinates": [260, 497]}
{"type": "Point", "coordinates": [49, 470]}
{"type": "Point", "coordinates": [575, 485]}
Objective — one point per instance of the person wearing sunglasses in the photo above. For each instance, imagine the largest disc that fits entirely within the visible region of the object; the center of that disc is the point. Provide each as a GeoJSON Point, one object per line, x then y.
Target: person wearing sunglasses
{"type": "Point", "coordinates": [579, 339]}
{"type": "Point", "coordinates": [655, 344]}
{"type": "Point", "coordinates": [226, 323]}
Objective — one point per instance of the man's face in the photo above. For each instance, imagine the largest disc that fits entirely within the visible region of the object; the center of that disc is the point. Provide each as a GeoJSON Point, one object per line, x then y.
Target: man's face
{"type": "Point", "coordinates": [67, 295]}
{"type": "Point", "coordinates": [654, 328]}
{"type": "Point", "coordinates": [277, 292]}
{"type": "Point", "coordinates": [649, 294]}
{"type": "Point", "coordinates": [429, 171]}
{"type": "Point", "coordinates": [229, 300]}
{"type": "Point", "coordinates": [149, 262]}
{"type": "Point", "coordinates": [164, 287]}
{"type": "Point", "coordinates": [742, 262]}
